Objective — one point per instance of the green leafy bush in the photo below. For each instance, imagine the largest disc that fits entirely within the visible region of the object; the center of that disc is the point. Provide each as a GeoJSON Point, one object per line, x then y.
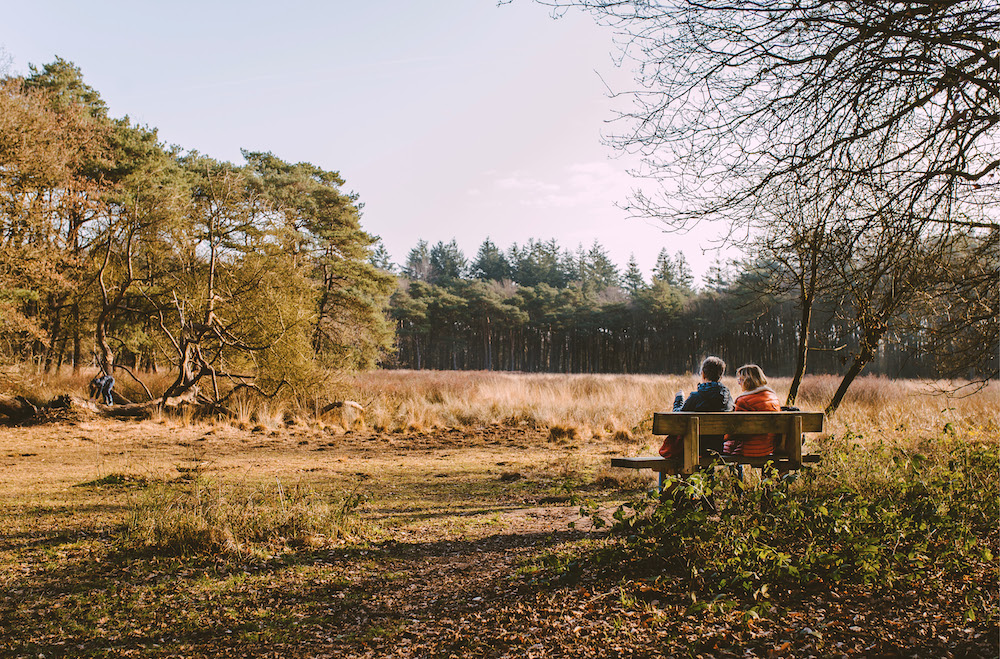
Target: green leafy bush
{"type": "Point", "coordinates": [926, 518]}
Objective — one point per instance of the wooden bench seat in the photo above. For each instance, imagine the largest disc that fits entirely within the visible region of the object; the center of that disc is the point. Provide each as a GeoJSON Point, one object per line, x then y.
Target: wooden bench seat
{"type": "Point", "coordinates": [692, 425]}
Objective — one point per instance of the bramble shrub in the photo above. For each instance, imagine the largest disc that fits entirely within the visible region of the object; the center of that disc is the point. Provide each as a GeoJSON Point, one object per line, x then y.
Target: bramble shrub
{"type": "Point", "coordinates": [927, 518]}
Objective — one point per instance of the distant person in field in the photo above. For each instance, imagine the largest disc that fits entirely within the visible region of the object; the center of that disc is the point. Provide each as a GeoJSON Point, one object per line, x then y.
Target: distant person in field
{"type": "Point", "coordinates": [101, 386]}
{"type": "Point", "coordinates": [756, 397]}
{"type": "Point", "coordinates": [710, 396]}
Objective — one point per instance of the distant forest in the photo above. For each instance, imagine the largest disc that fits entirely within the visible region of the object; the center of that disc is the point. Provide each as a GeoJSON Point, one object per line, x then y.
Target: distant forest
{"type": "Point", "coordinates": [540, 307]}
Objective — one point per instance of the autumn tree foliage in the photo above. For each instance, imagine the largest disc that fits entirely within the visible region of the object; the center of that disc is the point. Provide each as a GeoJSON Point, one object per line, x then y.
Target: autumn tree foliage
{"type": "Point", "coordinates": [122, 252]}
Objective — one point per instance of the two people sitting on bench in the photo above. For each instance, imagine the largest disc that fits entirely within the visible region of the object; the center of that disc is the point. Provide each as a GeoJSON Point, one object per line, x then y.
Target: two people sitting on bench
{"type": "Point", "coordinates": [713, 396]}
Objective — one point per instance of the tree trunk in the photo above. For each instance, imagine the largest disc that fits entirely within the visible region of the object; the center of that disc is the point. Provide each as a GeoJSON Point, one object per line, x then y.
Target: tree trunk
{"type": "Point", "coordinates": [866, 353]}
{"type": "Point", "coordinates": [107, 357]}
{"type": "Point", "coordinates": [802, 352]}
{"type": "Point", "coordinates": [77, 347]}
{"type": "Point", "coordinates": [487, 343]}
{"type": "Point", "coordinates": [17, 408]}
{"type": "Point", "coordinates": [55, 334]}
{"type": "Point", "coordinates": [61, 355]}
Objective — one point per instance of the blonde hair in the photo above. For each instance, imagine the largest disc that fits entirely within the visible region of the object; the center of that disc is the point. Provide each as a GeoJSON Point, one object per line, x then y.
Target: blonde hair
{"type": "Point", "coordinates": [753, 376]}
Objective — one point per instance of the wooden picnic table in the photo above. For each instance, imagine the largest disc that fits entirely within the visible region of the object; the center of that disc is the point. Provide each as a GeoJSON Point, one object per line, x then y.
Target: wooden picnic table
{"type": "Point", "coordinates": [691, 426]}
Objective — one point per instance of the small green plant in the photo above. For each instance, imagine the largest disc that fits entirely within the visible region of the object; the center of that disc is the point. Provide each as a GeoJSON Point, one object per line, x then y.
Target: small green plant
{"type": "Point", "coordinates": [117, 480]}
{"type": "Point", "coordinates": [554, 568]}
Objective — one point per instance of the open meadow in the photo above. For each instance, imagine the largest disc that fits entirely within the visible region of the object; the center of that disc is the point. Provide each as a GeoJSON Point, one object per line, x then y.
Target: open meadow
{"type": "Point", "coordinates": [473, 514]}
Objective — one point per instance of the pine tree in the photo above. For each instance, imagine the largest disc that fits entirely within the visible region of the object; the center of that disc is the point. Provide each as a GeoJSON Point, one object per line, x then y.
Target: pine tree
{"type": "Point", "coordinates": [632, 279]}
{"type": "Point", "coordinates": [418, 263]}
{"type": "Point", "coordinates": [381, 259]}
{"type": "Point", "coordinates": [447, 263]}
{"type": "Point", "coordinates": [490, 263]}
{"type": "Point", "coordinates": [685, 278]}
{"type": "Point", "coordinates": [664, 270]}
{"type": "Point", "coordinates": [597, 271]}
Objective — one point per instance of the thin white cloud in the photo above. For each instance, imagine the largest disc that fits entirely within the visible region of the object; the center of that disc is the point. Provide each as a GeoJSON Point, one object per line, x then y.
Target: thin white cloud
{"type": "Point", "coordinates": [586, 184]}
{"type": "Point", "coordinates": [525, 184]}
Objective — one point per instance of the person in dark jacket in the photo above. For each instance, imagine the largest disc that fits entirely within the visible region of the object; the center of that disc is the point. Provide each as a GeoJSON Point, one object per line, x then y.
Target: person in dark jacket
{"type": "Point", "coordinates": [100, 388]}
{"type": "Point", "coordinates": [711, 396]}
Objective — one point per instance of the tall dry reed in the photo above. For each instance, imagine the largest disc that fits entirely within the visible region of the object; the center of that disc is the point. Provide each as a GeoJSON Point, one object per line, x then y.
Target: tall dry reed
{"type": "Point", "coordinates": [875, 408]}
{"type": "Point", "coordinates": [600, 405]}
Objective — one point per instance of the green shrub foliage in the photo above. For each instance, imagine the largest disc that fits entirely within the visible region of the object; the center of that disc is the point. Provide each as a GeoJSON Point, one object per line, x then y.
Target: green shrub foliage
{"type": "Point", "coordinates": [928, 520]}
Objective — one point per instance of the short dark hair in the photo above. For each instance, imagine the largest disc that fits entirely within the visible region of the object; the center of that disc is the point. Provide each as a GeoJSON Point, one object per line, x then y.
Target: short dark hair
{"type": "Point", "coordinates": [713, 368]}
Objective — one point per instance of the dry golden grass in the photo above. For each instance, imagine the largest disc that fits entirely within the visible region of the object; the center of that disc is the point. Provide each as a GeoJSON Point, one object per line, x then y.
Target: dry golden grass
{"type": "Point", "coordinates": [585, 405]}
{"type": "Point", "coordinates": [620, 407]}
{"type": "Point", "coordinates": [571, 407]}
{"type": "Point", "coordinates": [902, 412]}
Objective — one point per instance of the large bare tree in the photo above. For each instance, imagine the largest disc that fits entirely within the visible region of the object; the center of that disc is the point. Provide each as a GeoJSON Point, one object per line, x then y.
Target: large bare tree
{"type": "Point", "coordinates": [735, 97]}
{"type": "Point", "coordinates": [881, 116]}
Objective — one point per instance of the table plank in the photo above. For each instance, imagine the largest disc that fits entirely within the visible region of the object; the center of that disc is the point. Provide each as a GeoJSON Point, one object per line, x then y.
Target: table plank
{"type": "Point", "coordinates": [745, 423]}
{"type": "Point", "coordinates": [656, 463]}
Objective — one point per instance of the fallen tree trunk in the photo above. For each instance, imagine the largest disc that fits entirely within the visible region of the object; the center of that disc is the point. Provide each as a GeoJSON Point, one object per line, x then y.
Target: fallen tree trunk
{"type": "Point", "coordinates": [349, 413]}
{"type": "Point", "coordinates": [17, 407]}
{"type": "Point", "coordinates": [20, 410]}
{"type": "Point", "coordinates": [146, 410]}
{"type": "Point", "coordinates": [119, 399]}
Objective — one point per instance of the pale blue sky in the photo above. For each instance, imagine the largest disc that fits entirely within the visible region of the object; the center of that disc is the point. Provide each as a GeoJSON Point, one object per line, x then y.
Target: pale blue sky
{"type": "Point", "coordinates": [450, 118]}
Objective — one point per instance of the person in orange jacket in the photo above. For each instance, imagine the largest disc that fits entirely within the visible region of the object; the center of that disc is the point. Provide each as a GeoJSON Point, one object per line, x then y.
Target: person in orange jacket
{"type": "Point", "coordinates": [756, 397]}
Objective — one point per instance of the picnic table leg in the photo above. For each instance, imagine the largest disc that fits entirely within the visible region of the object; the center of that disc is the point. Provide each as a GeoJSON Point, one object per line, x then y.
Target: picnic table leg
{"type": "Point", "coordinates": [692, 448]}
{"type": "Point", "coordinates": [660, 481]}
{"type": "Point", "coordinates": [795, 441]}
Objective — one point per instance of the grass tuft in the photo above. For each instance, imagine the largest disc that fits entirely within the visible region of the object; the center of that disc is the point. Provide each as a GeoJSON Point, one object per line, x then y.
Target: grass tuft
{"type": "Point", "coordinates": [561, 434]}
{"type": "Point", "coordinates": [623, 437]}
{"type": "Point", "coordinates": [117, 480]}
{"type": "Point", "coordinates": [201, 516]}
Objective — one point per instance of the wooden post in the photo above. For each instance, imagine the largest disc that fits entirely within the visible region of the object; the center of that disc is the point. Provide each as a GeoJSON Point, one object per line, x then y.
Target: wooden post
{"type": "Point", "coordinates": [692, 441]}
{"type": "Point", "coordinates": [795, 441]}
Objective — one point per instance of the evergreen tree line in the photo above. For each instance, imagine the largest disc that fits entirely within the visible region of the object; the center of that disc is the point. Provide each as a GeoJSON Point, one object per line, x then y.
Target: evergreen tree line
{"type": "Point", "coordinates": [120, 251]}
{"type": "Point", "coordinates": [542, 308]}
